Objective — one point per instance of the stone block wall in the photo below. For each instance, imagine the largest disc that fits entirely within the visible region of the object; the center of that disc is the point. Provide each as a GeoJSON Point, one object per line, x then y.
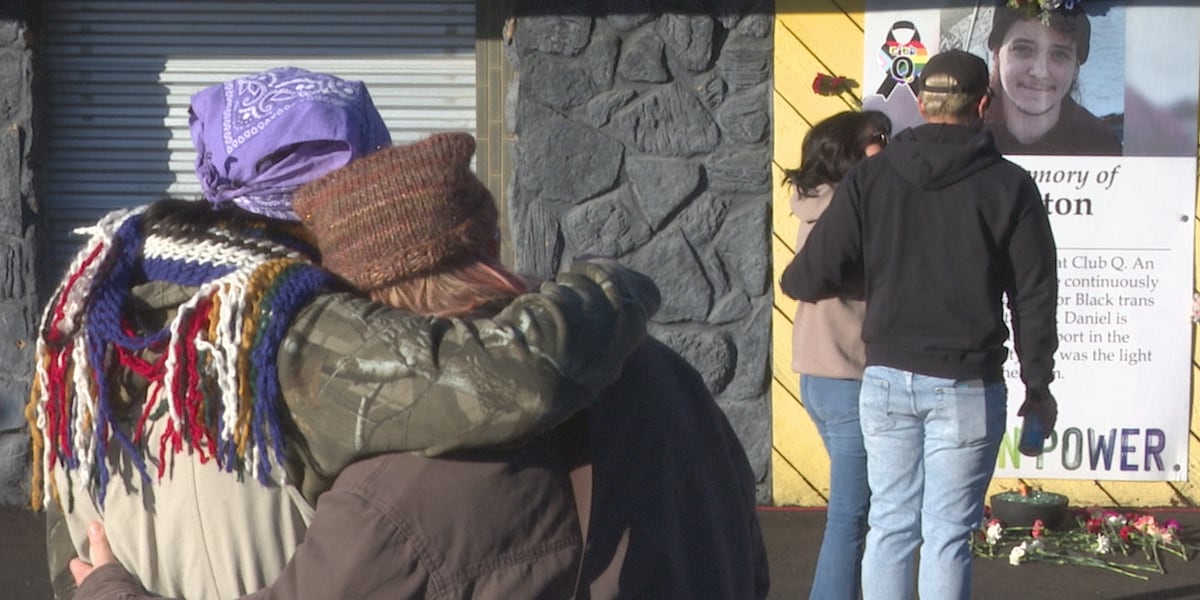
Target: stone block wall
{"type": "Point", "coordinates": [643, 133]}
{"type": "Point", "coordinates": [18, 210]}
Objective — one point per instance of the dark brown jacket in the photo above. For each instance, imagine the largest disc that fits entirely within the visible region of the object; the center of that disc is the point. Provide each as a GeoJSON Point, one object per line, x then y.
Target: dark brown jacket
{"type": "Point", "coordinates": [481, 525]}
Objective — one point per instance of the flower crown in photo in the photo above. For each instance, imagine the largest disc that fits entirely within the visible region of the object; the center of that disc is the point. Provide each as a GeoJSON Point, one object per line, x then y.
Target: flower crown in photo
{"type": "Point", "coordinates": [1042, 9]}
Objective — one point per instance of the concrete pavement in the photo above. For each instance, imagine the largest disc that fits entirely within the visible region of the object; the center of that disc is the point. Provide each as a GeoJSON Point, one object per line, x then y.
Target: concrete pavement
{"type": "Point", "coordinates": [792, 538]}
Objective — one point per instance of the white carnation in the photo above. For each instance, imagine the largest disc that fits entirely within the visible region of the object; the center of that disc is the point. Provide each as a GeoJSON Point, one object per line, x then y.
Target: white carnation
{"type": "Point", "coordinates": [994, 531]}
{"type": "Point", "coordinates": [1018, 552]}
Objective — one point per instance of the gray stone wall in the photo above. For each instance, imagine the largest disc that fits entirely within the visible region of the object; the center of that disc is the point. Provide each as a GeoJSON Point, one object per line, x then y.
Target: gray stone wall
{"type": "Point", "coordinates": [644, 134]}
{"type": "Point", "coordinates": [18, 210]}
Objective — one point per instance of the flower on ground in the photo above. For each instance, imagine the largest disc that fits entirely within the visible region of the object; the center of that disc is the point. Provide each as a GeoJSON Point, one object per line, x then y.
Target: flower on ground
{"type": "Point", "coordinates": [1125, 532]}
{"type": "Point", "coordinates": [1017, 553]}
{"type": "Point", "coordinates": [1129, 543]}
{"type": "Point", "coordinates": [1170, 530]}
{"type": "Point", "coordinates": [1146, 525]}
{"type": "Point", "coordinates": [994, 530]}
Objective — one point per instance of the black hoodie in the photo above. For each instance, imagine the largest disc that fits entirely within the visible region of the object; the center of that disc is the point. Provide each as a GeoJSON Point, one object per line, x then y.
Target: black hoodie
{"type": "Point", "coordinates": [941, 227]}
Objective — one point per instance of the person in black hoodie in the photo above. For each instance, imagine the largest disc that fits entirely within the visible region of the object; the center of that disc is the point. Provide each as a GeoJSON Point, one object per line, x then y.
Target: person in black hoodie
{"type": "Point", "coordinates": [940, 228]}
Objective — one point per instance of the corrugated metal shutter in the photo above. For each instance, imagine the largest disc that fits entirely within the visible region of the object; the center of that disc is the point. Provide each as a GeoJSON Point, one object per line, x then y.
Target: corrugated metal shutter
{"type": "Point", "coordinates": [120, 74]}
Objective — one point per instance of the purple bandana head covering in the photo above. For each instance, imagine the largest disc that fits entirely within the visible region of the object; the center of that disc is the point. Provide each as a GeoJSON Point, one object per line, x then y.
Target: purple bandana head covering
{"type": "Point", "coordinates": [260, 137]}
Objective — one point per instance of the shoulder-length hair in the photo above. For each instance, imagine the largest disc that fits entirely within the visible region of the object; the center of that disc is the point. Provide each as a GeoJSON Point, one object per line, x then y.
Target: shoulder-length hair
{"type": "Point", "coordinates": [836, 144]}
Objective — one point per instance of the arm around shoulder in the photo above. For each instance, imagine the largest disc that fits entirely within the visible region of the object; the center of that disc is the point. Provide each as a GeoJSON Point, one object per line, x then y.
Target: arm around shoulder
{"type": "Point", "coordinates": [825, 265]}
{"type": "Point", "coordinates": [361, 379]}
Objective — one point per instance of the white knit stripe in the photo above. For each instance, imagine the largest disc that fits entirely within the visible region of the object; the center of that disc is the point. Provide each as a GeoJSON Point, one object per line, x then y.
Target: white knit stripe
{"type": "Point", "coordinates": [208, 252]}
{"type": "Point", "coordinates": [41, 420]}
{"type": "Point", "coordinates": [232, 297]}
{"type": "Point", "coordinates": [171, 362]}
{"type": "Point", "coordinates": [43, 423]}
{"type": "Point", "coordinates": [82, 436]}
{"type": "Point", "coordinates": [253, 452]}
{"type": "Point", "coordinates": [222, 251]}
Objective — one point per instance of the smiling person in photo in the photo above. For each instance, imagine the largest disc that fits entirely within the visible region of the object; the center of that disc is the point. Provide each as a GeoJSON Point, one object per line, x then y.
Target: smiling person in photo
{"type": "Point", "coordinates": [1035, 74]}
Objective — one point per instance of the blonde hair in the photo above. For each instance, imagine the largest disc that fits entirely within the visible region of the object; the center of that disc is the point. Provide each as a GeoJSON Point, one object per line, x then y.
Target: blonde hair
{"type": "Point", "coordinates": [947, 104]}
{"type": "Point", "coordinates": [478, 287]}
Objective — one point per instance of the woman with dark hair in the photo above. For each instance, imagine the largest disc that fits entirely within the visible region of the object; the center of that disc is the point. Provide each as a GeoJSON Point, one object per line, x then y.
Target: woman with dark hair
{"type": "Point", "coordinates": [828, 352]}
{"type": "Point", "coordinates": [1035, 71]}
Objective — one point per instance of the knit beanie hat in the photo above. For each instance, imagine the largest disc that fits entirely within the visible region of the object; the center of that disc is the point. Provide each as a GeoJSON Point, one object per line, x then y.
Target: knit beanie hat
{"type": "Point", "coordinates": [401, 212]}
{"type": "Point", "coordinates": [260, 137]}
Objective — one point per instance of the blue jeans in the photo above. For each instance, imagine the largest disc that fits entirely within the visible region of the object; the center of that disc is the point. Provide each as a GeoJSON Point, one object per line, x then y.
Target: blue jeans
{"type": "Point", "coordinates": [833, 406]}
{"type": "Point", "coordinates": [931, 449]}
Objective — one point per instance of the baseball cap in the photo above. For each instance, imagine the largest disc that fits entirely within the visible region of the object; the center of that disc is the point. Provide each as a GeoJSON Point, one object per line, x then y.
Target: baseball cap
{"type": "Point", "coordinates": [969, 72]}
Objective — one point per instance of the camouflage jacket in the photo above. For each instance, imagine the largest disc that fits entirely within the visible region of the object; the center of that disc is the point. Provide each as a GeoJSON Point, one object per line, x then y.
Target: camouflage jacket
{"type": "Point", "coordinates": [361, 379]}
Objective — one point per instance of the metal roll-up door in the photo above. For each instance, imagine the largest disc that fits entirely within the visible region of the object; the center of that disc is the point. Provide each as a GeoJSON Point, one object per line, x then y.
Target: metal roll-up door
{"type": "Point", "coordinates": [119, 76]}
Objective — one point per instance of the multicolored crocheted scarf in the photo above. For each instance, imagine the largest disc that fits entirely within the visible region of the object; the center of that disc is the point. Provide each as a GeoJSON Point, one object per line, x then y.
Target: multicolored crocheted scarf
{"type": "Point", "coordinates": [211, 369]}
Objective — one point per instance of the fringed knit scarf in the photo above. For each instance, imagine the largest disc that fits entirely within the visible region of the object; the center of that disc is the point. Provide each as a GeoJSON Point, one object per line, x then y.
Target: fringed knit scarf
{"type": "Point", "coordinates": [211, 370]}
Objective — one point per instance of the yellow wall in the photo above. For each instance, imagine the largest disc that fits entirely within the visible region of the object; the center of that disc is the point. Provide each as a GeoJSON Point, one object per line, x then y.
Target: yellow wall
{"type": "Point", "coordinates": [824, 36]}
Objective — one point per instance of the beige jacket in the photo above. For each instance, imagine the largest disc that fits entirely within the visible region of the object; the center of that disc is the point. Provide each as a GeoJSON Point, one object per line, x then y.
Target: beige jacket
{"type": "Point", "coordinates": [826, 335]}
{"type": "Point", "coordinates": [235, 537]}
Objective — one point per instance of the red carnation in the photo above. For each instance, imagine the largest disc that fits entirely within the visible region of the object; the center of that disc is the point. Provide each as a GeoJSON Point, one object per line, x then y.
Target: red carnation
{"type": "Point", "coordinates": [832, 85]}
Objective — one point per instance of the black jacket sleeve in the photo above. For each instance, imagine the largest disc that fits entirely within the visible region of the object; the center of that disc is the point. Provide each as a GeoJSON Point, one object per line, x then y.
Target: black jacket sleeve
{"type": "Point", "coordinates": [1033, 299]}
{"type": "Point", "coordinates": [832, 256]}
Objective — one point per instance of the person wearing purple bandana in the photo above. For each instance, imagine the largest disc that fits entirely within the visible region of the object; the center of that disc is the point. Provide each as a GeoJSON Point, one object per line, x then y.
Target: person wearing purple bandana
{"type": "Point", "coordinates": [261, 137]}
{"type": "Point", "coordinates": [200, 379]}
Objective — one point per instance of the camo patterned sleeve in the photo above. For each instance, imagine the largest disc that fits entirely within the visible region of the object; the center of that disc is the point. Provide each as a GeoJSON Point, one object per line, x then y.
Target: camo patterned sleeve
{"type": "Point", "coordinates": [361, 379]}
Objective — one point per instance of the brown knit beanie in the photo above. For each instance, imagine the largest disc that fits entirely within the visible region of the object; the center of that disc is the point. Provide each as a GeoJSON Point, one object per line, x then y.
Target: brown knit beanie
{"type": "Point", "coordinates": [401, 212]}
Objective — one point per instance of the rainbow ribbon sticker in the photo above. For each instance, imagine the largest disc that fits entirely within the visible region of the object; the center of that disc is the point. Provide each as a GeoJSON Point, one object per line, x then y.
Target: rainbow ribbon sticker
{"type": "Point", "coordinates": [901, 62]}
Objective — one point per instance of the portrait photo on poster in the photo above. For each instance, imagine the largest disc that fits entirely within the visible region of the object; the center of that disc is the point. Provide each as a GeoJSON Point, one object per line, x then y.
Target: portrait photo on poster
{"type": "Point", "coordinates": [1123, 220]}
{"type": "Point", "coordinates": [1101, 79]}
{"type": "Point", "coordinates": [1054, 85]}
